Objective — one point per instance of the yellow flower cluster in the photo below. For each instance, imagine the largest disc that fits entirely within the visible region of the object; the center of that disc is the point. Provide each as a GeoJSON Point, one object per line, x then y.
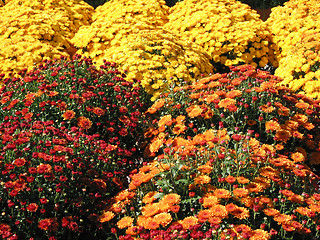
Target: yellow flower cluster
{"type": "Point", "coordinates": [130, 33]}
{"type": "Point", "coordinates": [153, 12]}
{"type": "Point", "coordinates": [23, 52]}
{"type": "Point", "coordinates": [229, 31]}
{"type": "Point", "coordinates": [114, 20]}
{"type": "Point", "coordinates": [300, 69]}
{"type": "Point", "coordinates": [48, 25]}
{"type": "Point", "coordinates": [287, 23]}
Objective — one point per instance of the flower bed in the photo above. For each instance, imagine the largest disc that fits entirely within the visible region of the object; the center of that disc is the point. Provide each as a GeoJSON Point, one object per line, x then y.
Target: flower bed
{"type": "Point", "coordinates": [160, 144]}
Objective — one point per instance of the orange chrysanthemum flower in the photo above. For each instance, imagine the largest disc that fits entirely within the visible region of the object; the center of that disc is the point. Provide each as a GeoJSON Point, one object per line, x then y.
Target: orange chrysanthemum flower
{"type": "Point", "coordinates": [300, 172]}
{"type": "Point", "coordinates": [68, 115]}
{"type": "Point", "coordinates": [266, 85]}
{"type": "Point", "coordinates": [132, 231]}
{"type": "Point", "coordinates": [165, 120]}
{"type": "Point", "coordinates": [291, 125]}
{"type": "Point", "coordinates": [214, 84]}
{"type": "Point", "coordinates": [211, 98]}
{"type": "Point", "coordinates": [241, 213]}
{"type": "Point", "coordinates": [271, 212]}
{"type": "Point", "coordinates": [150, 209]}
{"type": "Point", "coordinates": [180, 119]}
{"type": "Point", "coordinates": [267, 109]}
{"type": "Point", "coordinates": [98, 111]}
{"type": "Point", "coordinates": [300, 118]}
{"type": "Point", "coordinates": [242, 180]}
{"type": "Point", "coordinates": [215, 220]}
{"type": "Point", "coordinates": [268, 172]}
{"type": "Point", "coordinates": [194, 111]}
{"type": "Point", "coordinates": [149, 197]}
{"type": "Point", "coordinates": [19, 162]}
{"type": "Point", "coordinates": [6, 99]}
{"type": "Point", "coordinates": [308, 126]}
{"type": "Point", "coordinates": [202, 179]}
{"type": "Point", "coordinates": [272, 126]}
{"type": "Point", "coordinates": [297, 199]}
{"type": "Point", "coordinates": [287, 192]}
{"type": "Point", "coordinates": [159, 103]}
{"type": "Point", "coordinates": [232, 108]}
{"type": "Point", "coordinates": [179, 128]}
{"type": "Point", "coordinates": [164, 207]}
{"type": "Point", "coordinates": [236, 81]}
{"type": "Point", "coordinates": [225, 103]}
{"type": "Point", "coordinates": [205, 214]}
{"type": "Point", "coordinates": [106, 216]}
{"type": "Point", "coordinates": [31, 96]}
{"type": "Point", "coordinates": [179, 142]}
{"type": "Point", "coordinates": [205, 169]}
{"type": "Point", "coordinates": [282, 135]}
{"type": "Point", "coordinates": [219, 210]}
{"type": "Point", "coordinates": [304, 211]}
{"type": "Point", "coordinates": [230, 179]}
{"type": "Point", "coordinates": [84, 123]}
{"type": "Point", "coordinates": [230, 207]}
{"type": "Point", "coordinates": [155, 145]}
{"type": "Point", "coordinates": [283, 218]}
{"type": "Point", "coordinates": [152, 224]}
{"type": "Point", "coordinates": [195, 95]}
{"type": "Point", "coordinates": [163, 218]}
{"type": "Point", "coordinates": [123, 195]}
{"type": "Point", "coordinates": [260, 234]}
{"type": "Point", "coordinates": [28, 115]}
{"type": "Point", "coordinates": [302, 105]}
{"type": "Point", "coordinates": [240, 192]}
{"type": "Point", "coordinates": [315, 207]}
{"type": "Point", "coordinates": [52, 93]}
{"type": "Point", "coordinates": [254, 143]}
{"type": "Point", "coordinates": [254, 187]}
{"type": "Point", "coordinates": [188, 222]}
{"type": "Point", "coordinates": [151, 110]}
{"type": "Point", "coordinates": [297, 134]}
{"type": "Point", "coordinates": [280, 162]}
{"type": "Point", "coordinates": [171, 199]}
{"type": "Point", "coordinates": [142, 221]}
{"type": "Point", "coordinates": [233, 94]}
{"type": "Point", "coordinates": [296, 225]}
{"type": "Point", "coordinates": [175, 208]}
{"type": "Point", "coordinates": [44, 168]}
{"type": "Point", "coordinates": [222, 193]}
{"type": "Point", "coordinates": [209, 201]}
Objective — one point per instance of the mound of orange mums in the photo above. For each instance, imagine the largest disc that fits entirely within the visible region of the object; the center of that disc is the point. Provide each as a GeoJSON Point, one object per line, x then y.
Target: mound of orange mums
{"type": "Point", "coordinates": [233, 159]}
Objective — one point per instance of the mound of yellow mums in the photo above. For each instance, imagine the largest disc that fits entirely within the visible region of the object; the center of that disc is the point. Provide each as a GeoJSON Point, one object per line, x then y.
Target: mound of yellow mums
{"type": "Point", "coordinates": [31, 31]}
{"type": "Point", "coordinates": [229, 31]}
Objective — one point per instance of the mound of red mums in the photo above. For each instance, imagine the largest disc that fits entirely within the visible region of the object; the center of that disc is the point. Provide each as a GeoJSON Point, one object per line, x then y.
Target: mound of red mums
{"type": "Point", "coordinates": [69, 136]}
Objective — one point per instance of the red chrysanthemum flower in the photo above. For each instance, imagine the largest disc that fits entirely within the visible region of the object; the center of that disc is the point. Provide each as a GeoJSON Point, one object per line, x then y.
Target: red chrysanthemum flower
{"type": "Point", "coordinates": [48, 224]}
{"type": "Point", "coordinates": [32, 207]}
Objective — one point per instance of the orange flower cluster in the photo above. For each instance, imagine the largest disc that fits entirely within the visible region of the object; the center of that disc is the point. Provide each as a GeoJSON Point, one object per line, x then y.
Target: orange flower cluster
{"type": "Point", "coordinates": [218, 175]}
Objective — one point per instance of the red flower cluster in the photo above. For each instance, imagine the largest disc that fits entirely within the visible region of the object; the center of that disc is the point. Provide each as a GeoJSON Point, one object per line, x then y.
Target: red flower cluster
{"type": "Point", "coordinates": [69, 136]}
